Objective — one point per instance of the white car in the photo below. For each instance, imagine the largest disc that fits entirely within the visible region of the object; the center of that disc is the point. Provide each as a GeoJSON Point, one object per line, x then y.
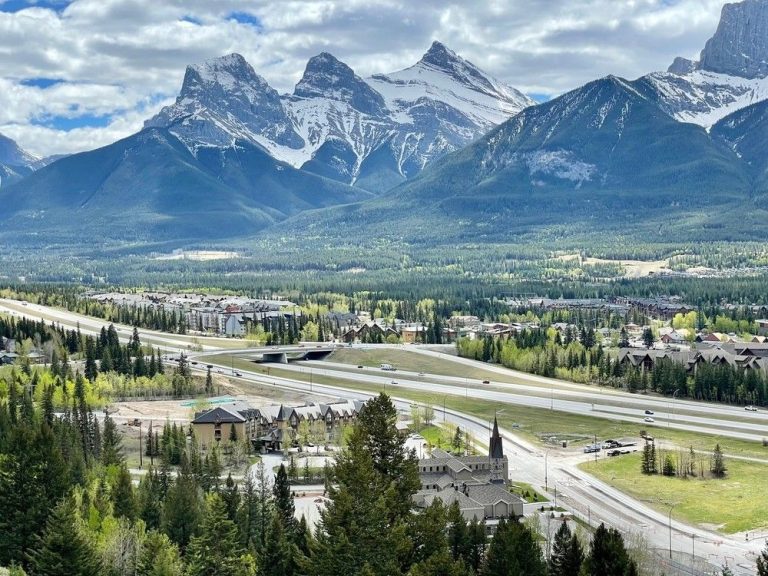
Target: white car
{"type": "Point", "coordinates": [751, 408]}
{"type": "Point", "coordinates": [648, 419]}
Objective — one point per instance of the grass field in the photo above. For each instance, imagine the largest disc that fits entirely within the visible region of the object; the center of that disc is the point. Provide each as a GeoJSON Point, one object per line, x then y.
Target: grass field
{"type": "Point", "coordinates": [736, 503]}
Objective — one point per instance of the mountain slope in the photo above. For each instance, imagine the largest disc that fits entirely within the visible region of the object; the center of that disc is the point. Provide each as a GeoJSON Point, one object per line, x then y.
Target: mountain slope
{"type": "Point", "coordinates": [746, 133]}
{"type": "Point", "coordinates": [15, 163]}
{"type": "Point", "coordinates": [372, 133]}
{"type": "Point", "coordinates": [604, 156]}
{"type": "Point", "coordinates": [149, 187]}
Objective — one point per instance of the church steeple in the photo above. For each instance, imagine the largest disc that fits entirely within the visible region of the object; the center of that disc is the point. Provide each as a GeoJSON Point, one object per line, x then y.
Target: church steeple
{"type": "Point", "coordinates": [495, 448]}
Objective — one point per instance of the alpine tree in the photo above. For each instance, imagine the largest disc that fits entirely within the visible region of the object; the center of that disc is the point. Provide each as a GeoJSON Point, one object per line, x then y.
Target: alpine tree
{"type": "Point", "coordinates": [123, 495]}
{"type": "Point", "coordinates": [111, 444]}
{"type": "Point", "coordinates": [63, 549]}
{"type": "Point", "coordinates": [607, 554]}
{"type": "Point", "coordinates": [283, 498]}
{"type": "Point", "coordinates": [567, 554]}
{"type": "Point", "coordinates": [514, 551]}
{"type": "Point", "coordinates": [159, 557]}
{"type": "Point", "coordinates": [718, 462]}
{"type": "Point", "coordinates": [216, 550]}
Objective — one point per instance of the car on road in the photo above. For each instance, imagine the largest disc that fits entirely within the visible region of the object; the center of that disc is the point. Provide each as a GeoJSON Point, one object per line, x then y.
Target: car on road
{"type": "Point", "coordinates": [649, 412]}
{"type": "Point", "coordinates": [648, 419]}
{"type": "Point", "coordinates": [750, 408]}
{"type": "Point", "coordinates": [486, 382]}
{"type": "Point", "coordinates": [238, 374]}
{"type": "Point", "coordinates": [359, 365]}
{"type": "Point", "coordinates": [394, 382]}
{"type": "Point", "coordinates": [421, 373]}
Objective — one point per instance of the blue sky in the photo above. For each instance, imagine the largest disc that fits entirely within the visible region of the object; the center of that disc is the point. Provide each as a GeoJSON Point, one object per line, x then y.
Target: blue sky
{"type": "Point", "coordinates": [80, 74]}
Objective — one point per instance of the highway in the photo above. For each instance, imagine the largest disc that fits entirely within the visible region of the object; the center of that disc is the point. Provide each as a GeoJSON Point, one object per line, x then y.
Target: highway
{"type": "Point", "coordinates": [584, 495]}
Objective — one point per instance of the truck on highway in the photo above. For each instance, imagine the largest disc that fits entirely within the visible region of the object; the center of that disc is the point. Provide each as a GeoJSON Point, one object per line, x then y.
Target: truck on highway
{"type": "Point", "coordinates": [388, 367]}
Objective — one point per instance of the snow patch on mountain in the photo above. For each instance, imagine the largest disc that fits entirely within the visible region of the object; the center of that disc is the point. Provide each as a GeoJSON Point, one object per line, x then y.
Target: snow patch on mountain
{"type": "Point", "coordinates": [704, 98]}
{"type": "Point", "coordinates": [562, 164]}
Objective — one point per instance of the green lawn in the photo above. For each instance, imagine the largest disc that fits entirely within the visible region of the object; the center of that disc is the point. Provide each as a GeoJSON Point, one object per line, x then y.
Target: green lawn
{"type": "Point", "coordinates": [414, 362]}
{"type": "Point", "coordinates": [437, 436]}
{"type": "Point", "coordinates": [736, 503]}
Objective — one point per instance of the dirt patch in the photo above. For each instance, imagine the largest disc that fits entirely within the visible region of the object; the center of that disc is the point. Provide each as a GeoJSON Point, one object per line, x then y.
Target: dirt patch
{"type": "Point", "coordinates": [632, 268]}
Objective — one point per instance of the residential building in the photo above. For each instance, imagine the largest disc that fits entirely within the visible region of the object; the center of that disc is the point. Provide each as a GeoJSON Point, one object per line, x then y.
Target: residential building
{"type": "Point", "coordinates": [275, 427]}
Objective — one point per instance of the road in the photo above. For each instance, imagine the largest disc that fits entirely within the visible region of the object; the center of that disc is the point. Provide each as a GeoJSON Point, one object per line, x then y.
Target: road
{"type": "Point", "coordinates": [584, 495]}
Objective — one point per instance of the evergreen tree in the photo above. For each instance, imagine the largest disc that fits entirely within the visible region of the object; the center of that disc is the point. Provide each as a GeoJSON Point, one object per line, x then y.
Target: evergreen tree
{"type": "Point", "coordinates": [513, 552]}
{"type": "Point", "coordinates": [607, 554]}
{"type": "Point", "coordinates": [718, 462]}
{"type": "Point", "coordinates": [182, 510]}
{"type": "Point", "coordinates": [33, 477]}
{"type": "Point", "coordinates": [386, 446]}
{"type": "Point", "coordinates": [216, 551]}
{"type": "Point", "coordinates": [284, 506]}
{"type": "Point", "coordinates": [208, 382]}
{"type": "Point", "coordinates": [123, 497]}
{"type": "Point", "coordinates": [150, 500]}
{"type": "Point", "coordinates": [567, 554]}
{"type": "Point", "coordinates": [668, 469]}
{"type": "Point", "coordinates": [111, 444]}
{"type": "Point", "coordinates": [359, 529]}
{"type": "Point", "coordinates": [279, 556]}
{"type": "Point", "coordinates": [63, 549]}
{"type": "Point", "coordinates": [231, 498]}
{"type": "Point", "coordinates": [159, 557]}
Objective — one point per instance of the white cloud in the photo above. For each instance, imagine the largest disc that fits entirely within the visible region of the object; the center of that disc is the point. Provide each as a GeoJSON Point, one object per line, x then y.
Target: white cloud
{"type": "Point", "coordinates": [117, 57]}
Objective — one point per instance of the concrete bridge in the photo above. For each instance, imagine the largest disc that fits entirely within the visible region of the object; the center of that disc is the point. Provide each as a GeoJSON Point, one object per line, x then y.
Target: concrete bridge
{"type": "Point", "coordinates": [285, 354]}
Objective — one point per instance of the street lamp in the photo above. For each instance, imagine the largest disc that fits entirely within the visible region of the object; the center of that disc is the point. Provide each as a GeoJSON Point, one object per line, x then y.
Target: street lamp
{"type": "Point", "coordinates": [670, 529]}
{"type": "Point", "coordinates": [672, 406]}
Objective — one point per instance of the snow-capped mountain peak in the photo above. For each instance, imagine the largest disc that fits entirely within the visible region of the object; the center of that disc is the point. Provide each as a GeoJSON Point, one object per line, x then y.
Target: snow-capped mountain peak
{"type": "Point", "coordinates": [228, 72]}
{"type": "Point", "coordinates": [374, 133]}
{"type": "Point", "coordinates": [444, 76]}
{"type": "Point", "coordinates": [328, 77]}
{"type": "Point", "coordinates": [15, 162]}
{"type": "Point", "coordinates": [225, 99]}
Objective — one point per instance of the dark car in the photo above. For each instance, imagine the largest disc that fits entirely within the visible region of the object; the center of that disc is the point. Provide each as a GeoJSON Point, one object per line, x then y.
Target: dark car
{"type": "Point", "coordinates": [649, 412]}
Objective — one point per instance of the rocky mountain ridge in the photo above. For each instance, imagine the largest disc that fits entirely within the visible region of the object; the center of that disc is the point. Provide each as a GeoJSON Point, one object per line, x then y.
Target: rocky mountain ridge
{"type": "Point", "coordinates": [373, 133]}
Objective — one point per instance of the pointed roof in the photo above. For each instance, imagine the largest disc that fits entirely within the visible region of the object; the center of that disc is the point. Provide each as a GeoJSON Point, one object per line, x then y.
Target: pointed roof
{"type": "Point", "coordinates": [495, 448]}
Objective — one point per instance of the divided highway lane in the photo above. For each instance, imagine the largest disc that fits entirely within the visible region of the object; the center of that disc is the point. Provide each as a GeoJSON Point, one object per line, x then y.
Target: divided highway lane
{"type": "Point", "coordinates": [92, 326]}
{"type": "Point", "coordinates": [713, 425]}
{"type": "Point", "coordinates": [659, 405]}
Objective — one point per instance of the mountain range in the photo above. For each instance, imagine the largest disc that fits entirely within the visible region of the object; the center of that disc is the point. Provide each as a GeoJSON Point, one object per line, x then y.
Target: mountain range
{"type": "Point", "coordinates": [231, 156]}
{"type": "Point", "coordinates": [438, 152]}
{"type": "Point", "coordinates": [15, 163]}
